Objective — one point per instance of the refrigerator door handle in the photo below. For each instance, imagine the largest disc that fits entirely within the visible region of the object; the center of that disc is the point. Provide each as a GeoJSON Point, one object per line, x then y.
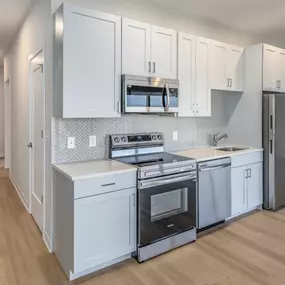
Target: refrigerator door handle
{"type": "Point", "coordinates": [271, 114]}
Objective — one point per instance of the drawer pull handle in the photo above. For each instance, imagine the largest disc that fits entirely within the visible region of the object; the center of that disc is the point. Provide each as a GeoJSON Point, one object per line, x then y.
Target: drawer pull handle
{"type": "Point", "coordinates": [106, 185]}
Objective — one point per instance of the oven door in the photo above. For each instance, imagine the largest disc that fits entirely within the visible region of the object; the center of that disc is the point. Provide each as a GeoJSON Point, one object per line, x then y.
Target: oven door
{"type": "Point", "coordinates": [167, 206]}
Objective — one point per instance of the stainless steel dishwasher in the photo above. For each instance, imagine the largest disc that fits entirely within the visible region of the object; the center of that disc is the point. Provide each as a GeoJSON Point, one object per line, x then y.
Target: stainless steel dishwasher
{"type": "Point", "coordinates": [214, 192]}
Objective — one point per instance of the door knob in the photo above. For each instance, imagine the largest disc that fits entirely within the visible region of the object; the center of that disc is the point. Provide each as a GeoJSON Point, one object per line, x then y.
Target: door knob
{"type": "Point", "coordinates": [30, 145]}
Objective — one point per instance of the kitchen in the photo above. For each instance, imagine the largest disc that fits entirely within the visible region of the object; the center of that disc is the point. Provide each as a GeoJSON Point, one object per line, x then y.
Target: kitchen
{"type": "Point", "coordinates": [208, 78]}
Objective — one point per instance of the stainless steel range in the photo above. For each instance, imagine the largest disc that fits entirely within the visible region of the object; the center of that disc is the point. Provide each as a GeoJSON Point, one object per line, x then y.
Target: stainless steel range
{"type": "Point", "coordinates": [167, 191]}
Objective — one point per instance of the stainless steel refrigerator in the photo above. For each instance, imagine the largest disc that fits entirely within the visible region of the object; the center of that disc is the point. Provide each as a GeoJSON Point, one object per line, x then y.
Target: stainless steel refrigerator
{"type": "Point", "coordinates": [274, 150]}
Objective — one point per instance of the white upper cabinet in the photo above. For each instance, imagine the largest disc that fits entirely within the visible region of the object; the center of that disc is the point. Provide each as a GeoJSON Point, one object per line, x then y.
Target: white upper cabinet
{"type": "Point", "coordinates": [88, 63]}
{"type": "Point", "coordinates": [193, 75]}
{"type": "Point", "coordinates": [226, 68]}
{"type": "Point", "coordinates": [202, 80]}
{"type": "Point", "coordinates": [136, 48]}
{"type": "Point", "coordinates": [235, 68]}
{"type": "Point", "coordinates": [148, 50]}
{"type": "Point", "coordinates": [186, 75]}
{"type": "Point", "coordinates": [270, 68]}
{"type": "Point", "coordinates": [281, 59]}
{"type": "Point", "coordinates": [218, 56]}
{"type": "Point", "coordinates": [164, 52]}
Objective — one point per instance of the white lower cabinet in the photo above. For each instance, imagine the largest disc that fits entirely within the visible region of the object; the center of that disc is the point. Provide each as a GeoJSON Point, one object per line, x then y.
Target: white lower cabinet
{"type": "Point", "coordinates": [247, 188]}
{"type": "Point", "coordinates": [97, 228]}
{"type": "Point", "coordinates": [104, 228]}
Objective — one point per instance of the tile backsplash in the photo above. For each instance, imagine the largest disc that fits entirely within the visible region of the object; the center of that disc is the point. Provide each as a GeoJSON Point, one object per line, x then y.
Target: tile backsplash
{"type": "Point", "coordinates": [192, 132]}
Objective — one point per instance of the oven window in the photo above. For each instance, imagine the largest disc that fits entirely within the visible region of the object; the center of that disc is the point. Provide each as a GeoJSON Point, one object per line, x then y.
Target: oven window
{"type": "Point", "coordinates": [169, 204]}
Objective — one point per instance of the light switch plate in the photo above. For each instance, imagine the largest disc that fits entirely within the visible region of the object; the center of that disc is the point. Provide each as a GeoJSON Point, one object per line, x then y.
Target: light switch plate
{"type": "Point", "coordinates": [92, 141]}
{"type": "Point", "coordinates": [175, 135]}
{"type": "Point", "coordinates": [70, 142]}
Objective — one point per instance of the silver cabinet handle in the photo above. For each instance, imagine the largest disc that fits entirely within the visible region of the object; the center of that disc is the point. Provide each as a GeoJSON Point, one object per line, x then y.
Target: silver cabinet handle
{"type": "Point", "coordinates": [149, 67]}
{"type": "Point", "coordinates": [249, 170]}
{"type": "Point", "coordinates": [231, 81]}
{"type": "Point", "coordinates": [109, 184]}
{"type": "Point", "coordinates": [153, 67]}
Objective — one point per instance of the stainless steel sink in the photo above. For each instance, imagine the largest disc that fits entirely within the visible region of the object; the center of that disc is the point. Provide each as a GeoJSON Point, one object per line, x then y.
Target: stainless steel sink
{"type": "Point", "coordinates": [231, 148]}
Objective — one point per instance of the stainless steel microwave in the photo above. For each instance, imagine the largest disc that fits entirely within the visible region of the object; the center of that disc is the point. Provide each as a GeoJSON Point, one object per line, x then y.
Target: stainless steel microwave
{"type": "Point", "coordinates": [149, 95]}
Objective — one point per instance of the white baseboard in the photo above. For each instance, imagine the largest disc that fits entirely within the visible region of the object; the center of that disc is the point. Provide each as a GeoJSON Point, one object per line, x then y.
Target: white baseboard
{"type": "Point", "coordinates": [73, 276]}
{"type": "Point", "coordinates": [47, 241]}
{"type": "Point", "coordinates": [22, 197]}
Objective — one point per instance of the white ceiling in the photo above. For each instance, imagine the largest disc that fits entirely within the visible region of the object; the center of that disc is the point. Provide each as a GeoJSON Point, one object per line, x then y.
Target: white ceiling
{"type": "Point", "coordinates": [12, 14]}
{"type": "Point", "coordinates": [255, 17]}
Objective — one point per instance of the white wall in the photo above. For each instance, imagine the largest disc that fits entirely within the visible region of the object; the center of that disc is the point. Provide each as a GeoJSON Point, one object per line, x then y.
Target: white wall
{"type": "Point", "coordinates": [35, 33]}
{"type": "Point", "coordinates": [2, 116]}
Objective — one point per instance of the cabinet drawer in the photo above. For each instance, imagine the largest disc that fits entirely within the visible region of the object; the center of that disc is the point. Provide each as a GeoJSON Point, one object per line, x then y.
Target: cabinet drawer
{"type": "Point", "coordinates": [247, 158]}
{"type": "Point", "coordinates": [104, 184]}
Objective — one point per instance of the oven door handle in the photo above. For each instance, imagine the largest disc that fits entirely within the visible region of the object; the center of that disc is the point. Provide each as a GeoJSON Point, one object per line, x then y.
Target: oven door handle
{"type": "Point", "coordinates": [153, 183]}
{"type": "Point", "coordinates": [215, 167]}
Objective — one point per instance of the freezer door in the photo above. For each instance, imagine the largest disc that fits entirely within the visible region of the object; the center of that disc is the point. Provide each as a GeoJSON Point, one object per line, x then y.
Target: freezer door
{"type": "Point", "coordinates": [277, 177]}
{"type": "Point", "coordinates": [274, 150]}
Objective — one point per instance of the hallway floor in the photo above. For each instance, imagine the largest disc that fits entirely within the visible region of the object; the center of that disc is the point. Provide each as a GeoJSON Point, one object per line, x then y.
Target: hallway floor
{"type": "Point", "coordinates": [248, 251]}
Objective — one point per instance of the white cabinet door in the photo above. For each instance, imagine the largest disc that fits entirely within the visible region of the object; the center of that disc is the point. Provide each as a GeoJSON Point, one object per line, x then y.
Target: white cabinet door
{"type": "Point", "coordinates": [218, 66]}
{"type": "Point", "coordinates": [91, 64]}
{"type": "Point", "coordinates": [270, 68]}
{"type": "Point", "coordinates": [239, 190]}
{"type": "Point", "coordinates": [186, 75]}
{"type": "Point", "coordinates": [254, 188]}
{"type": "Point", "coordinates": [202, 84]}
{"type": "Point", "coordinates": [235, 68]}
{"type": "Point", "coordinates": [135, 48]}
{"type": "Point", "coordinates": [281, 72]}
{"type": "Point", "coordinates": [104, 228]}
{"type": "Point", "coordinates": [164, 52]}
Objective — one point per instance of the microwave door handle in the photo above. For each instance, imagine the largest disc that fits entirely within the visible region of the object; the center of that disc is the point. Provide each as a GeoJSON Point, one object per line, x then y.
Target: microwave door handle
{"type": "Point", "coordinates": [163, 98]}
{"type": "Point", "coordinates": [168, 97]}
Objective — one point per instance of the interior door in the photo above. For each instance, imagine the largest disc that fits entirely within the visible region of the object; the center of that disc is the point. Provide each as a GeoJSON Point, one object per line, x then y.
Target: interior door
{"type": "Point", "coordinates": [37, 138]}
{"type": "Point", "coordinates": [218, 64]}
{"type": "Point", "coordinates": [164, 52]}
{"type": "Point", "coordinates": [235, 66]}
{"type": "Point", "coordinates": [135, 48]}
{"type": "Point", "coordinates": [186, 75]}
{"type": "Point", "coordinates": [270, 68]}
{"type": "Point", "coordinates": [7, 99]}
{"type": "Point", "coordinates": [202, 84]}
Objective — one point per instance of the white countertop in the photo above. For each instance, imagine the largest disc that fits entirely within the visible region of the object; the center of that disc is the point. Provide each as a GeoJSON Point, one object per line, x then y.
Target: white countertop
{"type": "Point", "coordinates": [210, 153]}
{"type": "Point", "coordinates": [92, 169]}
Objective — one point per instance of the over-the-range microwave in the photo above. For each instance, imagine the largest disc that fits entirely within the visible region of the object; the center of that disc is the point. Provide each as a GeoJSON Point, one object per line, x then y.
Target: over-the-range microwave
{"type": "Point", "coordinates": [149, 95]}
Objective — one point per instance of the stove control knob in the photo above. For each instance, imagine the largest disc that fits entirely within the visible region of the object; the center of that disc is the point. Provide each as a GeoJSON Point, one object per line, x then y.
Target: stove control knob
{"type": "Point", "coordinates": [153, 137]}
{"type": "Point", "coordinates": [123, 139]}
{"type": "Point", "coordinates": [159, 137]}
{"type": "Point", "coordinates": [117, 139]}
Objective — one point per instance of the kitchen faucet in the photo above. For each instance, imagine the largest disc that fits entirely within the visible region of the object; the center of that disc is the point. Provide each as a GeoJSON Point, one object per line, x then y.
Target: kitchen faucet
{"type": "Point", "coordinates": [217, 138]}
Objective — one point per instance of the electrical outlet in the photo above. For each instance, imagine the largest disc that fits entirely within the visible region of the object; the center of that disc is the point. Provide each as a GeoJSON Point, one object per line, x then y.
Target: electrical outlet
{"type": "Point", "coordinates": [92, 141]}
{"type": "Point", "coordinates": [175, 135]}
{"type": "Point", "coordinates": [70, 142]}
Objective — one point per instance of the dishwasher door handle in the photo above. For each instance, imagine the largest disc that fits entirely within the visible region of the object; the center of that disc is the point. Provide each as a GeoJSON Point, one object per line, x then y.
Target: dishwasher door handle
{"type": "Point", "coordinates": [214, 167]}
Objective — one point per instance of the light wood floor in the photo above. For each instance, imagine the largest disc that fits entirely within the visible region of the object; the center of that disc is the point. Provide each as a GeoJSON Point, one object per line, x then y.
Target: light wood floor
{"type": "Point", "coordinates": [248, 251]}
